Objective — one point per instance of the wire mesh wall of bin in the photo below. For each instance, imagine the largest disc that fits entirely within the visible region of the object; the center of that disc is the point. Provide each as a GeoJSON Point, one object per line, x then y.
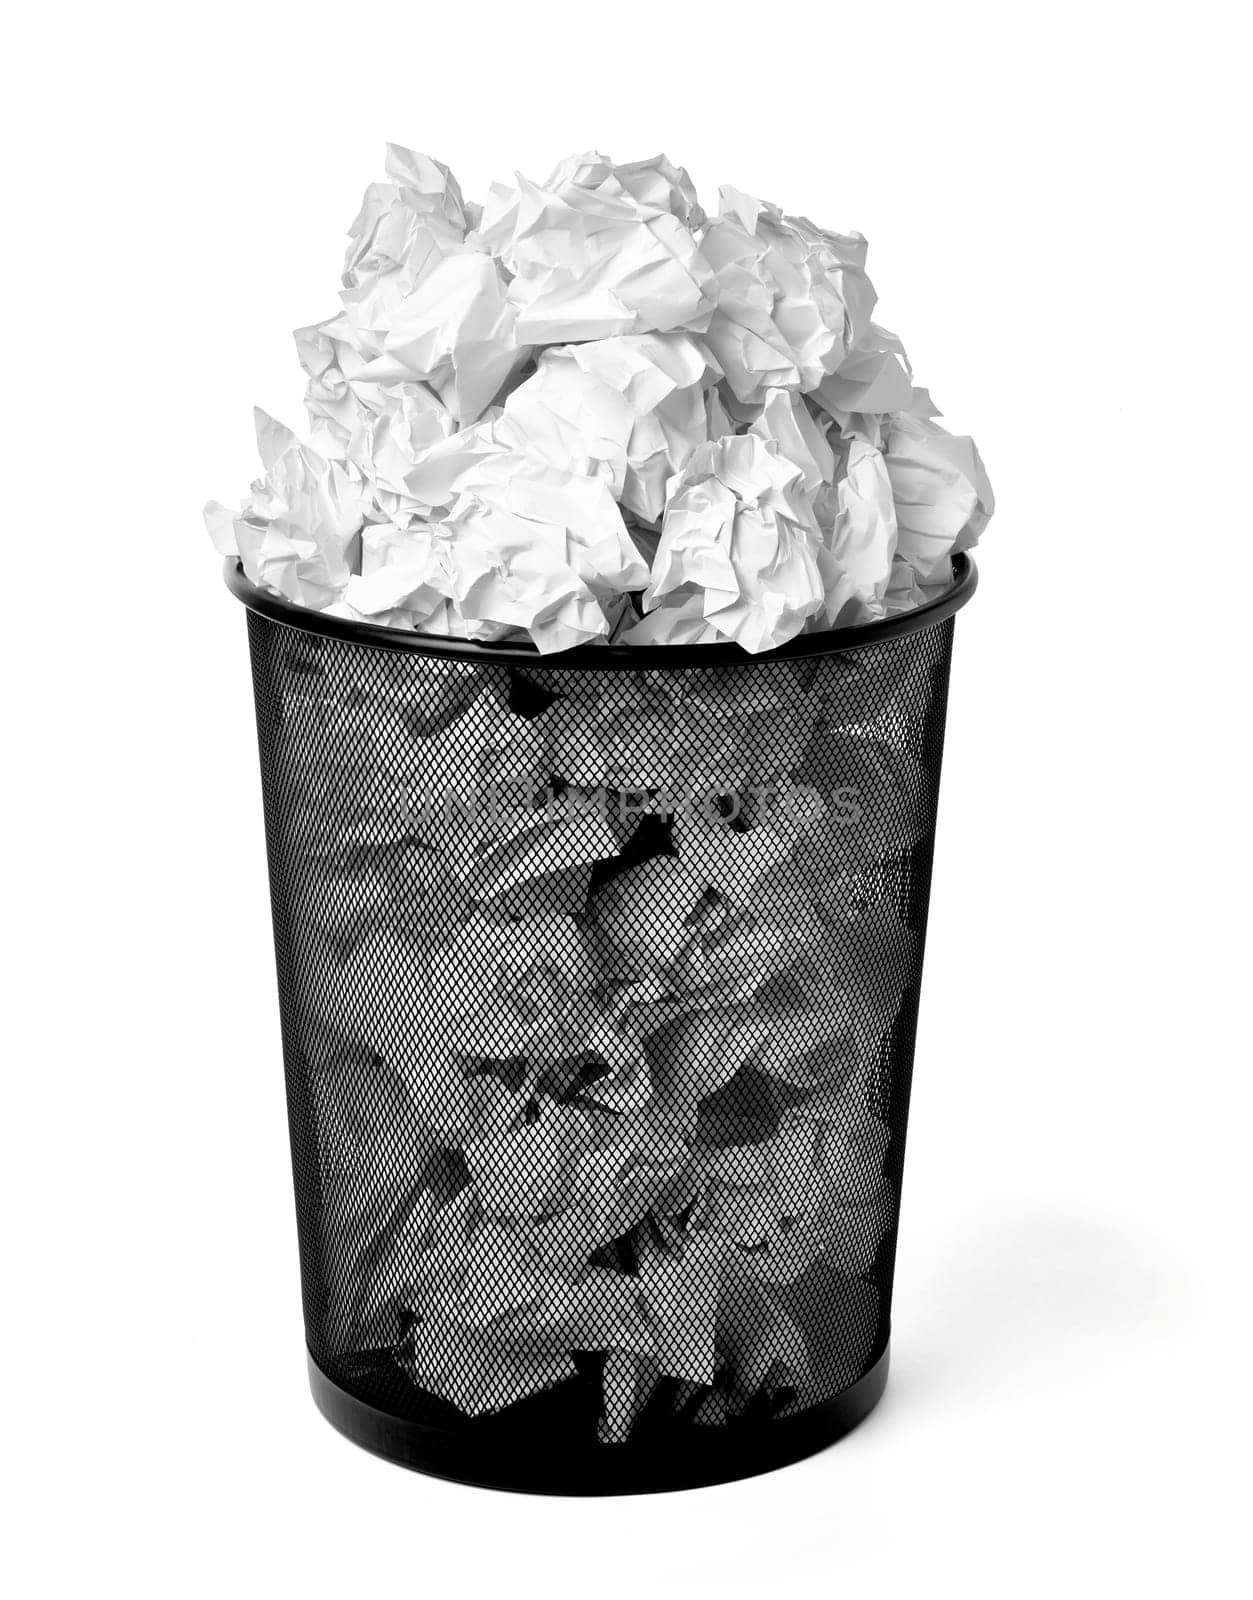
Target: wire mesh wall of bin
{"type": "Point", "coordinates": [599, 978]}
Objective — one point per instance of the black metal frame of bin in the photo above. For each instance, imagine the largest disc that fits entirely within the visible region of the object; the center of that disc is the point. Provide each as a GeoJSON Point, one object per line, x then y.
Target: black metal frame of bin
{"type": "Point", "coordinates": [327, 729]}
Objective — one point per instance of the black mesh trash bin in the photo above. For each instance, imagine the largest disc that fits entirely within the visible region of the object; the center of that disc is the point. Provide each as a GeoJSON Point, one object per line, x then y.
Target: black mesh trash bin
{"type": "Point", "coordinates": [599, 977]}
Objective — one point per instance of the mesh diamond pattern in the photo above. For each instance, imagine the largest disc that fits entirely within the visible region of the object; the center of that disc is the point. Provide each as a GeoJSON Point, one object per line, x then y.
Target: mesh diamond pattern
{"type": "Point", "coordinates": [598, 992]}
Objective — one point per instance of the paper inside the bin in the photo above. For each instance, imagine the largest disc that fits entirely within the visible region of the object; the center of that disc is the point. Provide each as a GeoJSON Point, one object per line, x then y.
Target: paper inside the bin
{"type": "Point", "coordinates": [588, 412]}
{"type": "Point", "coordinates": [654, 1085]}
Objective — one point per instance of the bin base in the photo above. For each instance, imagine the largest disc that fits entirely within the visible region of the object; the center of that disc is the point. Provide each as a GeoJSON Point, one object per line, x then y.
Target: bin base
{"type": "Point", "coordinates": [691, 1460]}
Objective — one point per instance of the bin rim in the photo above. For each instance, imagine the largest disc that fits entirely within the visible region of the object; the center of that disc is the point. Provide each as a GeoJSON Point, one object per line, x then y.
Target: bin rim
{"type": "Point", "coordinates": [604, 657]}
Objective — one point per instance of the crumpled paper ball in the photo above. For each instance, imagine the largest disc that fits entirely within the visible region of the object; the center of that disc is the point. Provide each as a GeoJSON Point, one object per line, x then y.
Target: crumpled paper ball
{"type": "Point", "coordinates": [863, 537]}
{"type": "Point", "coordinates": [402, 230]}
{"type": "Point", "coordinates": [786, 422]}
{"type": "Point", "coordinates": [655, 182]}
{"type": "Point", "coordinates": [590, 260]}
{"type": "Point", "coordinates": [381, 427]}
{"type": "Point", "coordinates": [295, 534]}
{"type": "Point", "coordinates": [503, 541]}
{"type": "Point", "coordinates": [588, 412]}
{"type": "Point", "coordinates": [485, 467]}
{"type": "Point", "coordinates": [738, 551]}
{"type": "Point", "coordinates": [941, 492]}
{"type": "Point", "coordinates": [792, 299]}
{"type": "Point", "coordinates": [455, 330]}
{"type": "Point", "coordinates": [420, 303]}
{"type": "Point", "coordinates": [630, 409]}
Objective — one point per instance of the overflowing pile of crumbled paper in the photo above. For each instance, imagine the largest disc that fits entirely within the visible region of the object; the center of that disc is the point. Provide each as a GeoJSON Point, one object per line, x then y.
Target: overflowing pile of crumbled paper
{"type": "Point", "coordinates": [587, 411]}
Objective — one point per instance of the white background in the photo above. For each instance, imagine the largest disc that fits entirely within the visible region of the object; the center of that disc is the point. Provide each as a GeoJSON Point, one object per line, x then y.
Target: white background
{"type": "Point", "coordinates": [1056, 199]}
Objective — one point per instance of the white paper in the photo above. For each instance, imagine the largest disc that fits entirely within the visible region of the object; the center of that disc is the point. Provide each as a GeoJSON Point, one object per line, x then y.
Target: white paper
{"type": "Point", "coordinates": [587, 401]}
{"type": "Point", "coordinates": [296, 532]}
{"type": "Point", "coordinates": [863, 536]}
{"type": "Point", "coordinates": [483, 573]}
{"type": "Point", "coordinates": [793, 300]}
{"type": "Point", "coordinates": [941, 490]}
{"type": "Point", "coordinates": [402, 569]}
{"type": "Point", "coordinates": [874, 377]}
{"type": "Point", "coordinates": [382, 428]}
{"type": "Point", "coordinates": [402, 230]}
{"type": "Point", "coordinates": [630, 410]}
{"type": "Point", "coordinates": [786, 422]}
{"type": "Point", "coordinates": [739, 548]}
{"type": "Point", "coordinates": [591, 260]}
{"type": "Point", "coordinates": [483, 468]}
{"type": "Point", "coordinates": [455, 331]}
{"type": "Point", "coordinates": [509, 541]}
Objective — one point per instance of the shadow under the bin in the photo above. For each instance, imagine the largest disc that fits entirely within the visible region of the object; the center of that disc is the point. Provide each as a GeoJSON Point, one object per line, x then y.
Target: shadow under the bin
{"type": "Point", "coordinates": [1031, 1289]}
